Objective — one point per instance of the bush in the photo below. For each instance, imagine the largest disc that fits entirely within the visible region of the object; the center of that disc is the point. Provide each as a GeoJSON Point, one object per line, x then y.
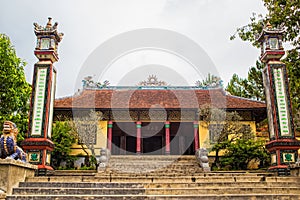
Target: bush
{"type": "Point", "coordinates": [241, 152]}
{"type": "Point", "coordinates": [63, 136]}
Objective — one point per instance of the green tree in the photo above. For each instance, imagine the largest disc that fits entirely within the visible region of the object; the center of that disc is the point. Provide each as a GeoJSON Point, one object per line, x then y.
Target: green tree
{"type": "Point", "coordinates": [14, 90]}
{"type": "Point", "coordinates": [237, 86]}
{"type": "Point", "coordinates": [285, 14]}
{"type": "Point", "coordinates": [241, 152]}
{"type": "Point", "coordinates": [280, 13]}
{"type": "Point", "coordinates": [292, 62]}
{"type": "Point", "coordinates": [87, 128]}
{"type": "Point", "coordinates": [225, 127]}
{"type": "Point", "coordinates": [250, 87]}
{"type": "Point", "coordinates": [63, 136]}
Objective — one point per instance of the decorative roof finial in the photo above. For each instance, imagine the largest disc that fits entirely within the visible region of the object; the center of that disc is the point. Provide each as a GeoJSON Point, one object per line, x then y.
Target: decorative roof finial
{"type": "Point", "coordinates": [152, 80]}
{"type": "Point", "coordinates": [49, 24]}
{"type": "Point", "coordinates": [269, 25]}
{"type": "Point", "coordinates": [48, 30]}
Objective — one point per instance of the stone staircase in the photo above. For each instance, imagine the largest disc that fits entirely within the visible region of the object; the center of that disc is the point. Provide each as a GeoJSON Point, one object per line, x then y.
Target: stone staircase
{"type": "Point", "coordinates": [157, 177]}
{"type": "Point", "coordinates": [154, 164]}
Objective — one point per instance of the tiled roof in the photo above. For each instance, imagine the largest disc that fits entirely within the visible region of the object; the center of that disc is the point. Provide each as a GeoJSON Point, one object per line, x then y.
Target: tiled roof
{"type": "Point", "coordinates": [151, 98]}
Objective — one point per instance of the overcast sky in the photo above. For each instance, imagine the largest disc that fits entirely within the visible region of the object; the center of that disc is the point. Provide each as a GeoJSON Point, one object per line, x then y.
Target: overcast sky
{"type": "Point", "coordinates": [94, 28]}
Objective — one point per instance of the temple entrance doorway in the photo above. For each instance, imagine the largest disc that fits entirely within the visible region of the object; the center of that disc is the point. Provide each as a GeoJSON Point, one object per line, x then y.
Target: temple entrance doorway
{"type": "Point", "coordinates": [182, 138]}
{"type": "Point", "coordinates": [124, 138]}
{"type": "Point", "coordinates": [153, 138]}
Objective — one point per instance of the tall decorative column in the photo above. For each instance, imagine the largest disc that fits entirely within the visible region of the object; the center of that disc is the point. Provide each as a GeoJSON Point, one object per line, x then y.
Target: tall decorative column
{"type": "Point", "coordinates": [138, 136]}
{"type": "Point", "coordinates": [38, 144]}
{"type": "Point", "coordinates": [283, 145]}
{"type": "Point", "coordinates": [196, 135]}
{"type": "Point", "coordinates": [167, 136]}
{"type": "Point", "coordinates": [109, 134]}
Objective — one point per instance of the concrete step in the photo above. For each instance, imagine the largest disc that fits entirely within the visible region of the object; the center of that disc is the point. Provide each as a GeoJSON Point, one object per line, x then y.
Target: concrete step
{"type": "Point", "coordinates": [154, 185]}
{"type": "Point", "coordinates": [213, 185]}
{"type": "Point", "coordinates": [78, 191]}
{"type": "Point", "coordinates": [155, 165]}
{"type": "Point", "coordinates": [155, 191]}
{"type": "Point", "coordinates": [221, 185]}
{"type": "Point", "coordinates": [158, 172]}
{"type": "Point", "coordinates": [134, 178]}
{"type": "Point", "coordinates": [148, 178]}
{"type": "Point", "coordinates": [134, 170]}
{"type": "Point", "coordinates": [166, 164]}
{"type": "Point", "coordinates": [153, 157]}
{"type": "Point", "coordinates": [74, 172]}
{"type": "Point", "coordinates": [78, 185]}
{"type": "Point", "coordinates": [223, 190]}
{"type": "Point", "coordinates": [202, 174]}
{"type": "Point", "coordinates": [163, 172]}
{"type": "Point", "coordinates": [183, 178]}
{"type": "Point", "coordinates": [159, 197]}
{"type": "Point", "coordinates": [157, 177]}
{"type": "Point", "coordinates": [127, 160]}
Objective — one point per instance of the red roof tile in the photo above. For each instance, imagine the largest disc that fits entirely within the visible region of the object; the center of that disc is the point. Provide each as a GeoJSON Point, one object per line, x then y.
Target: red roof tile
{"type": "Point", "coordinates": [152, 98]}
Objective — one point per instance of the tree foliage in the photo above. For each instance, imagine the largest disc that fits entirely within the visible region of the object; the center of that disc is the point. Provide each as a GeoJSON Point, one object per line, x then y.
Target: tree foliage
{"type": "Point", "coordinates": [230, 123]}
{"type": "Point", "coordinates": [242, 151]}
{"type": "Point", "coordinates": [231, 136]}
{"type": "Point", "coordinates": [250, 87]}
{"type": "Point", "coordinates": [292, 62]}
{"type": "Point", "coordinates": [83, 131]}
{"type": "Point", "coordinates": [87, 128]}
{"type": "Point", "coordinates": [285, 14]}
{"type": "Point", "coordinates": [14, 90]}
{"type": "Point", "coordinates": [280, 13]}
{"type": "Point", "coordinates": [63, 136]}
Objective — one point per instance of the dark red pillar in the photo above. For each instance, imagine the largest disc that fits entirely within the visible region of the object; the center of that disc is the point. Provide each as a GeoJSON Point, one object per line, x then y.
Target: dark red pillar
{"type": "Point", "coordinates": [138, 136]}
{"type": "Point", "coordinates": [109, 134]}
{"type": "Point", "coordinates": [196, 135]}
{"type": "Point", "coordinates": [167, 135]}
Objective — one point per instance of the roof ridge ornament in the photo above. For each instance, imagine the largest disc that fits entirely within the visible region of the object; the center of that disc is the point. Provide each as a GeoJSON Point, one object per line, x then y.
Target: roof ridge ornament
{"type": "Point", "coordinates": [89, 83]}
{"type": "Point", "coordinates": [152, 81]}
{"type": "Point", "coordinates": [212, 81]}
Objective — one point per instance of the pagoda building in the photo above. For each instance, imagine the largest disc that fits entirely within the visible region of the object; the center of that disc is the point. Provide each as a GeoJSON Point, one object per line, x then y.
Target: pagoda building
{"type": "Point", "coordinates": [154, 118]}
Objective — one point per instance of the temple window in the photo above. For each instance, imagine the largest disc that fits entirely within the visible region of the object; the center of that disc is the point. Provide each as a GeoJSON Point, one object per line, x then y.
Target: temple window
{"type": "Point", "coordinates": [214, 132]}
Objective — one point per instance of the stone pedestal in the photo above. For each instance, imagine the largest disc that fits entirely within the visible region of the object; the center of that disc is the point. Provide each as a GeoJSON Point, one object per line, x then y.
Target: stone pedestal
{"type": "Point", "coordinates": [295, 169]}
{"type": "Point", "coordinates": [12, 172]}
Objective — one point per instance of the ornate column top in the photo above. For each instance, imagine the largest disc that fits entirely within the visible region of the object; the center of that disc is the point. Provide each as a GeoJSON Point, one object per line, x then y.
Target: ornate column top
{"type": "Point", "coordinates": [48, 30]}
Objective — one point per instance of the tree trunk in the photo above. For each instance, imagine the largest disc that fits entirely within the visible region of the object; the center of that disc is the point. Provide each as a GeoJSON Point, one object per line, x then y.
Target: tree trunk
{"type": "Point", "coordinates": [217, 159]}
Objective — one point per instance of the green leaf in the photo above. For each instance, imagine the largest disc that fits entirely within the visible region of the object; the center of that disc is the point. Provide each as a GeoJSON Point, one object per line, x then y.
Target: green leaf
{"type": "Point", "coordinates": [14, 90]}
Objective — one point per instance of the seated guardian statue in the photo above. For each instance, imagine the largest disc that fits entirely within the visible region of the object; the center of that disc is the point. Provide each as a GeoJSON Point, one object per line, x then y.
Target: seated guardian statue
{"type": "Point", "coordinates": [202, 158]}
{"type": "Point", "coordinates": [8, 143]}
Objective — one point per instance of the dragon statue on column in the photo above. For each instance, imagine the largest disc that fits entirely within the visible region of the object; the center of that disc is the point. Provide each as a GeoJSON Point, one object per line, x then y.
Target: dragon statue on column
{"type": "Point", "coordinates": [8, 143]}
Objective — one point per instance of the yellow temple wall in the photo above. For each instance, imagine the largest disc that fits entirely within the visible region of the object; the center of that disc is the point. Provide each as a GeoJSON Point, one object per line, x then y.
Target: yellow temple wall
{"type": "Point", "coordinates": [102, 135]}
{"type": "Point", "coordinates": [101, 142]}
